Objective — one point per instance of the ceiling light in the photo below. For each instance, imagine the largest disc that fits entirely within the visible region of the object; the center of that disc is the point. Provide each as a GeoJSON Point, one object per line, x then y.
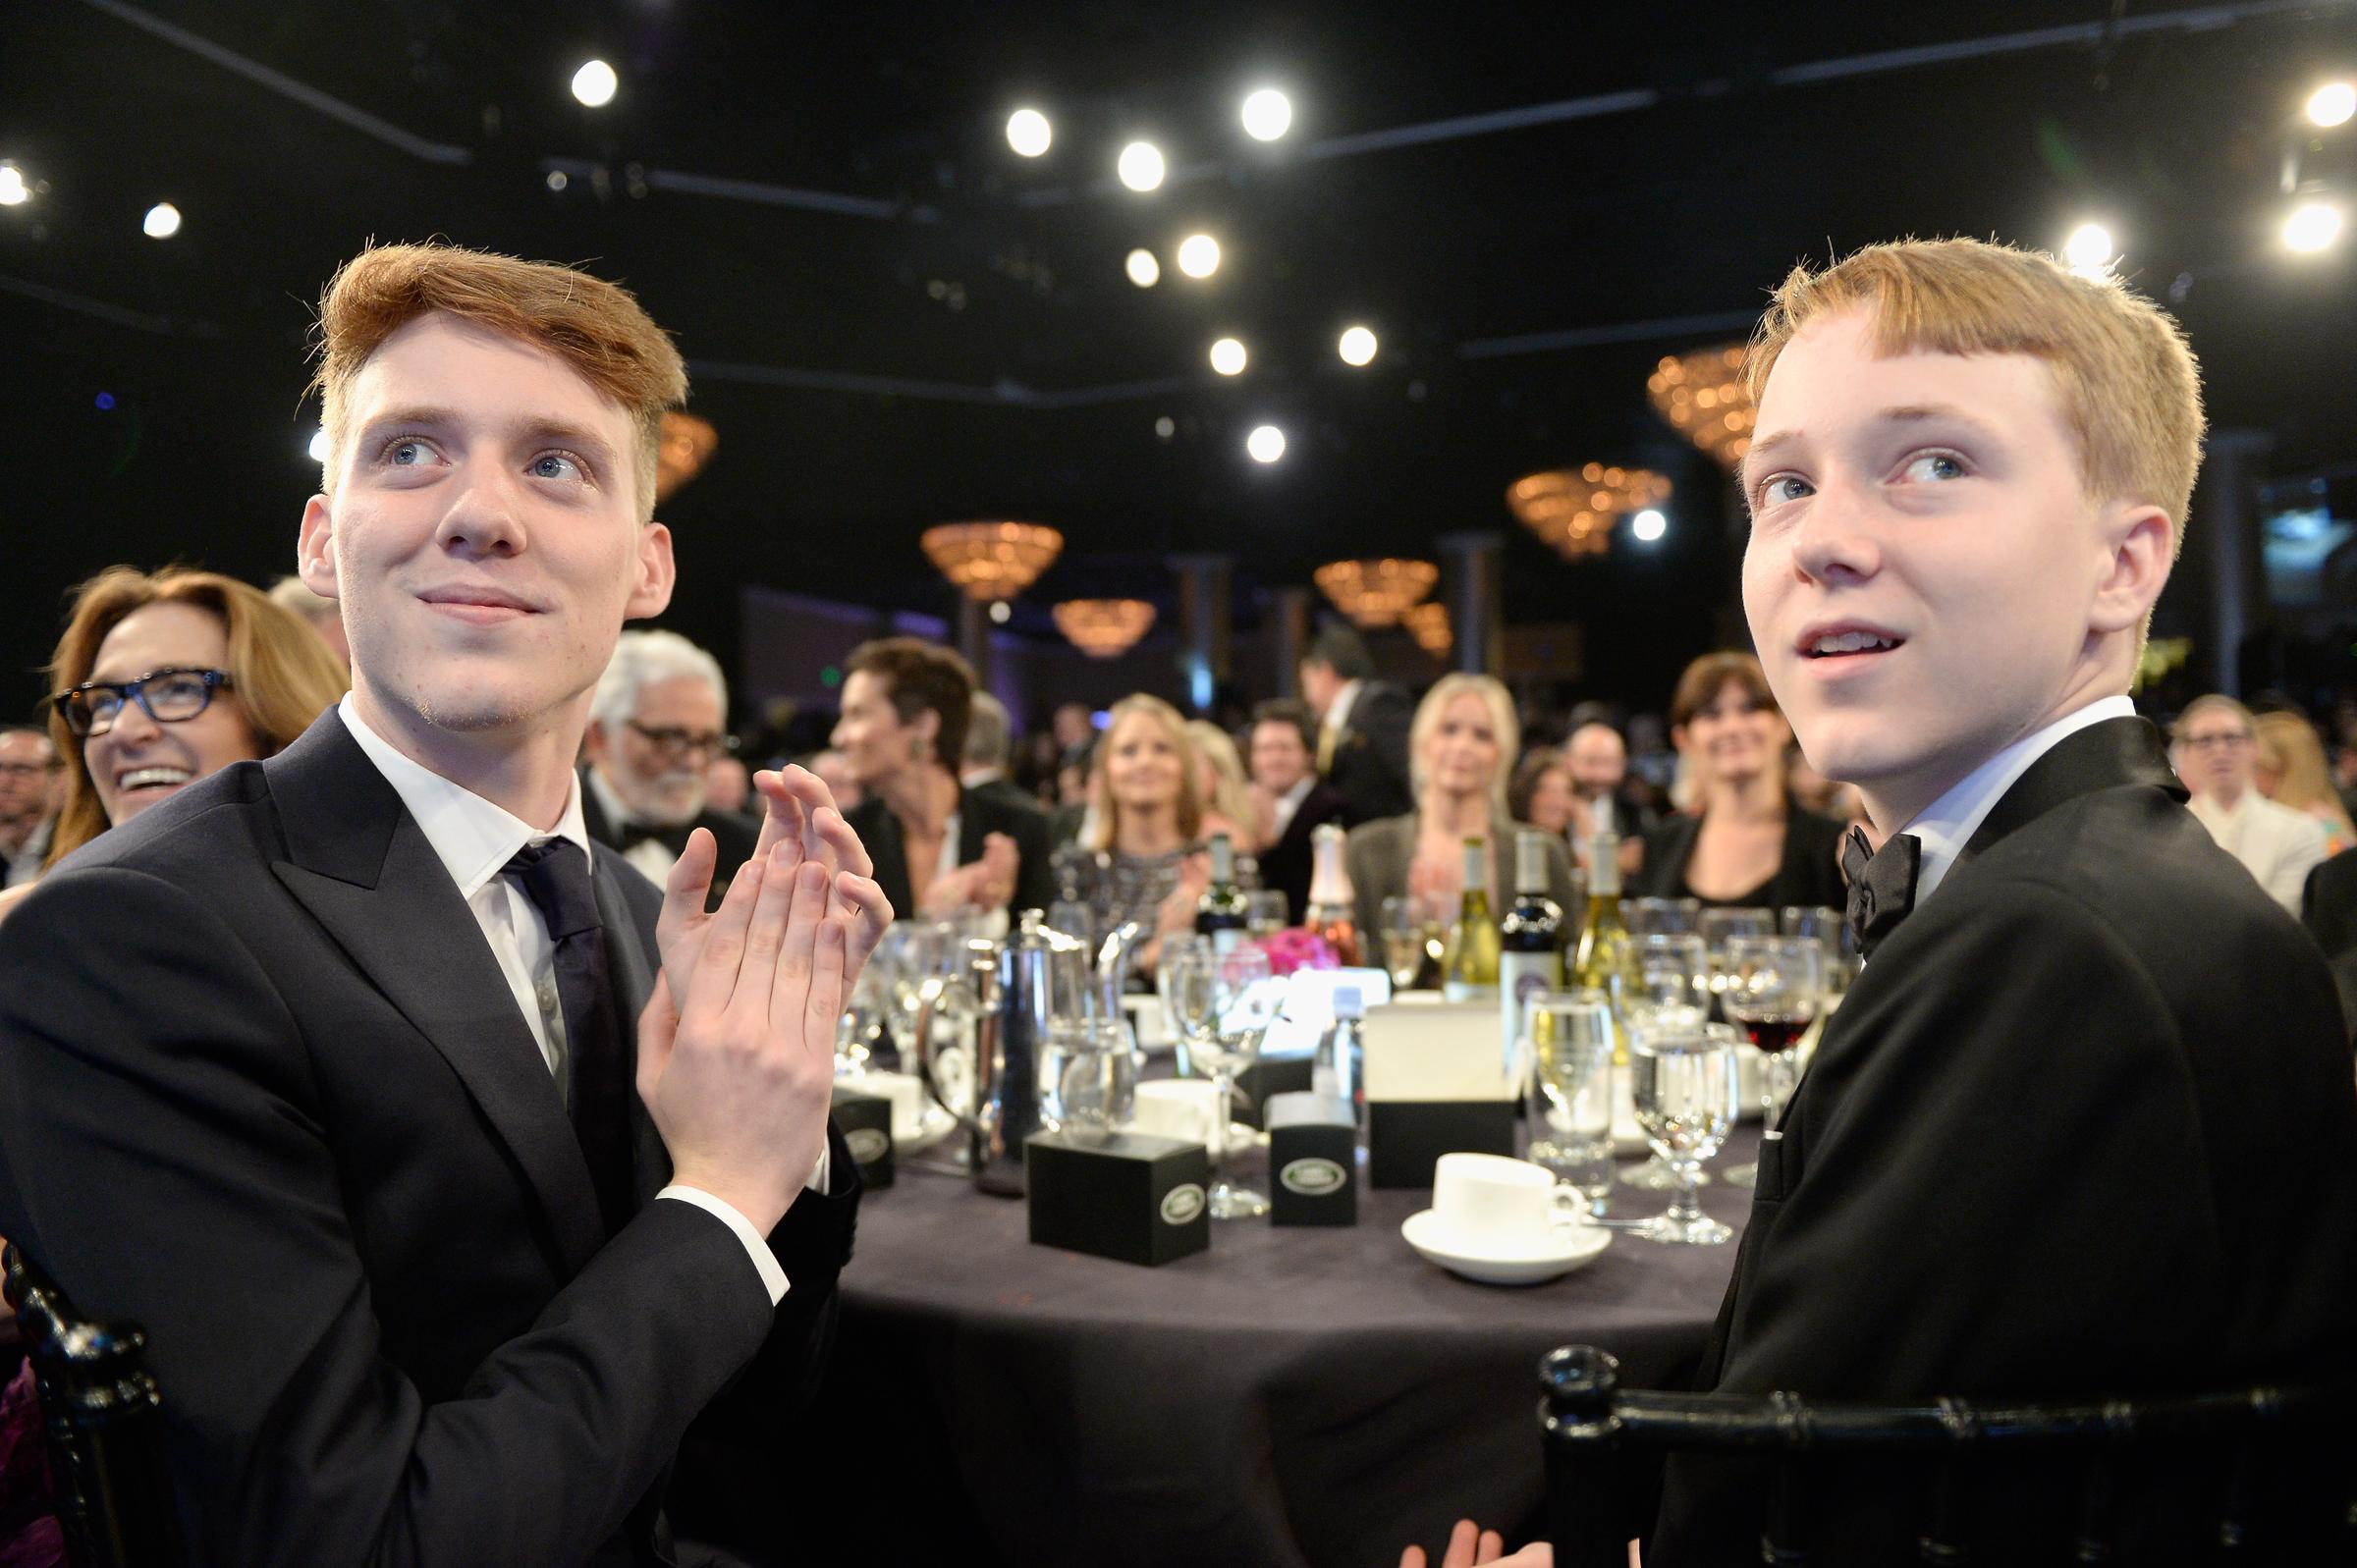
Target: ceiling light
{"type": "Point", "coordinates": [162, 221]}
{"type": "Point", "coordinates": [1140, 166]}
{"type": "Point", "coordinates": [1228, 357]}
{"type": "Point", "coordinates": [1649, 524]}
{"type": "Point", "coordinates": [2313, 226]}
{"type": "Point", "coordinates": [317, 446]}
{"type": "Point", "coordinates": [594, 83]}
{"type": "Point", "coordinates": [2088, 249]}
{"type": "Point", "coordinates": [1143, 269]}
{"type": "Point", "coordinates": [1266, 443]}
{"type": "Point", "coordinates": [1028, 133]}
{"type": "Point", "coordinates": [14, 191]}
{"type": "Point", "coordinates": [1000, 611]}
{"type": "Point", "coordinates": [1199, 255]}
{"type": "Point", "coordinates": [1164, 427]}
{"type": "Point", "coordinates": [1268, 114]}
{"type": "Point", "coordinates": [2332, 104]}
{"type": "Point", "coordinates": [1358, 346]}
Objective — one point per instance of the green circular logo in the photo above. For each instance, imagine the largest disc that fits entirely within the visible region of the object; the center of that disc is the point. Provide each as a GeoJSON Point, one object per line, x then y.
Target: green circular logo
{"type": "Point", "coordinates": [1181, 1204]}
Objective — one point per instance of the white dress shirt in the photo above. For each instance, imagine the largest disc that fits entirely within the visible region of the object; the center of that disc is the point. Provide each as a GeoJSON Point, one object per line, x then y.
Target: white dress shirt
{"type": "Point", "coordinates": [1290, 802]}
{"type": "Point", "coordinates": [650, 855]}
{"type": "Point", "coordinates": [2279, 845]}
{"type": "Point", "coordinates": [474, 838]}
{"type": "Point", "coordinates": [1338, 713]}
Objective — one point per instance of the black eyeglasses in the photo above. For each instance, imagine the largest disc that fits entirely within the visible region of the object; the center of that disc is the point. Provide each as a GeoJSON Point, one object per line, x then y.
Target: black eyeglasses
{"type": "Point", "coordinates": [678, 745]}
{"type": "Point", "coordinates": [168, 696]}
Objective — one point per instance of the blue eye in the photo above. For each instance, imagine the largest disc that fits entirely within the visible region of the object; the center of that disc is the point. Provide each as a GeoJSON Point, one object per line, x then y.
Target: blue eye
{"type": "Point", "coordinates": [407, 454]}
{"type": "Point", "coordinates": [1775, 492]}
{"type": "Point", "coordinates": [1932, 465]}
{"type": "Point", "coordinates": [555, 465]}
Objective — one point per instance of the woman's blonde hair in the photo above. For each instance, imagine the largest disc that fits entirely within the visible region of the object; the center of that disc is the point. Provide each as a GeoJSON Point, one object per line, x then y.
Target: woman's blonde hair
{"type": "Point", "coordinates": [1230, 796]}
{"type": "Point", "coordinates": [1503, 719]}
{"type": "Point", "coordinates": [280, 672]}
{"type": "Point", "coordinates": [1100, 795]}
{"type": "Point", "coordinates": [2289, 745]}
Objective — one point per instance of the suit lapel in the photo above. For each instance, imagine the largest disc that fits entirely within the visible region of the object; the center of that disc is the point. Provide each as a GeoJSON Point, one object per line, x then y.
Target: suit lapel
{"type": "Point", "coordinates": [633, 976]}
{"type": "Point", "coordinates": [358, 863]}
{"type": "Point", "coordinates": [2102, 756]}
{"type": "Point", "coordinates": [970, 827]}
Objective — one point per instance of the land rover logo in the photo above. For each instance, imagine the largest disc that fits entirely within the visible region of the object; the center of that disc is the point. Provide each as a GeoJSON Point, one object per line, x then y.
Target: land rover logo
{"type": "Point", "coordinates": [1312, 1177]}
{"type": "Point", "coordinates": [869, 1144]}
{"type": "Point", "coordinates": [1181, 1204]}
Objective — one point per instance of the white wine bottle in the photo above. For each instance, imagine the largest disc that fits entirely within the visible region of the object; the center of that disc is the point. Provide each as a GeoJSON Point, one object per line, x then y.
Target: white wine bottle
{"type": "Point", "coordinates": [1531, 943]}
{"type": "Point", "coordinates": [1469, 958]}
{"type": "Point", "coordinates": [1607, 960]}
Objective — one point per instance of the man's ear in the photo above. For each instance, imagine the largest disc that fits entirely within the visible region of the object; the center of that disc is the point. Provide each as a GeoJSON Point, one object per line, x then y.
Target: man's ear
{"type": "Point", "coordinates": [595, 743]}
{"type": "Point", "coordinates": [650, 595]}
{"type": "Point", "coordinates": [2140, 545]}
{"type": "Point", "coordinates": [315, 548]}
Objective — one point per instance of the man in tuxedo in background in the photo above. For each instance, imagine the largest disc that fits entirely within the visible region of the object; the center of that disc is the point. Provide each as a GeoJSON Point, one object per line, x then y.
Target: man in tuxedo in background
{"type": "Point", "coordinates": [1362, 726]}
{"type": "Point", "coordinates": [29, 801]}
{"type": "Point", "coordinates": [656, 723]}
{"type": "Point", "coordinates": [1283, 760]}
{"type": "Point", "coordinates": [989, 743]}
{"type": "Point", "coordinates": [323, 1070]}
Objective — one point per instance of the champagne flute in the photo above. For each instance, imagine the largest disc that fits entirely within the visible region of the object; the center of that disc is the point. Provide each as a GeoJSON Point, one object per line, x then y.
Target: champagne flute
{"type": "Point", "coordinates": [1247, 1000]}
{"type": "Point", "coordinates": [1686, 1096]}
{"type": "Point", "coordinates": [1570, 1091]}
{"type": "Point", "coordinates": [1772, 988]}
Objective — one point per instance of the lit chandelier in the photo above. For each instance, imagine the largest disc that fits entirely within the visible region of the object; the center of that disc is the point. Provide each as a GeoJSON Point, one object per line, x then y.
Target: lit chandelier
{"type": "Point", "coordinates": [1376, 593]}
{"type": "Point", "coordinates": [1104, 628]}
{"type": "Point", "coordinates": [686, 444]}
{"type": "Point", "coordinates": [1574, 509]}
{"type": "Point", "coordinates": [1702, 394]}
{"type": "Point", "coordinates": [1428, 624]}
{"type": "Point", "coordinates": [992, 560]}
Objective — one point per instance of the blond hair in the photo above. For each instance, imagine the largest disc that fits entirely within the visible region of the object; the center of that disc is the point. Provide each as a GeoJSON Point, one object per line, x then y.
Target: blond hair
{"type": "Point", "coordinates": [1500, 704]}
{"type": "Point", "coordinates": [2129, 390]}
{"type": "Point", "coordinates": [1230, 795]}
{"type": "Point", "coordinates": [594, 326]}
{"type": "Point", "coordinates": [2289, 745]}
{"type": "Point", "coordinates": [1107, 825]}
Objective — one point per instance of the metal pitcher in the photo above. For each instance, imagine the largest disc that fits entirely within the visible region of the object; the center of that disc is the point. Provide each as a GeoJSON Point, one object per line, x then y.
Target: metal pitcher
{"type": "Point", "coordinates": [1006, 986]}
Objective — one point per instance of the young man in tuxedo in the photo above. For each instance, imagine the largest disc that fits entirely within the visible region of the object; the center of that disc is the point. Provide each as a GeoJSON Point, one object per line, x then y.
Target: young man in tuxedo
{"type": "Point", "coordinates": [2085, 1125]}
{"type": "Point", "coordinates": [1362, 726]}
{"type": "Point", "coordinates": [657, 723]}
{"type": "Point", "coordinates": [1283, 757]}
{"type": "Point", "coordinates": [452, 1170]}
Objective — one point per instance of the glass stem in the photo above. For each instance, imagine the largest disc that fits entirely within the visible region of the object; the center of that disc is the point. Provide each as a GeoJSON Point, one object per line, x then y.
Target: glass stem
{"type": "Point", "coordinates": [1778, 1081]}
{"type": "Point", "coordinates": [1685, 1205]}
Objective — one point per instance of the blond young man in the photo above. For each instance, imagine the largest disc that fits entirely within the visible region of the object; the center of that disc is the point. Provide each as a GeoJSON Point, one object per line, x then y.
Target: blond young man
{"type": "Point", "coordinates": [2085, 1125]}
{"type": "Point", "coordinates": [451, 1168]}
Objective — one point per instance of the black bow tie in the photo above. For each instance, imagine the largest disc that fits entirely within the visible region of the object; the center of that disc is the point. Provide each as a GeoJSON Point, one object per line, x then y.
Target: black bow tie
{"type": "Point", "coordinates": [1882, 886]}
{"type": "Point", "coordinates": [675, 840]}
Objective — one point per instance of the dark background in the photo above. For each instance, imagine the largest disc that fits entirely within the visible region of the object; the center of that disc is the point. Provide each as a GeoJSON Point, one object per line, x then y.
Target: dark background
{"type": "Point", "coordinates": [966, 345]}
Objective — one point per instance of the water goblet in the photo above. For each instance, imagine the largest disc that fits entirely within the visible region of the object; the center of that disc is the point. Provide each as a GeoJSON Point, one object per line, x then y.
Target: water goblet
{"type": "Point", "coordinates": [1568, 1093]}
{"type": "Point", "coordinates": [1773, 986]}
{"type": "Point", "coordinates": [1686, 1096]}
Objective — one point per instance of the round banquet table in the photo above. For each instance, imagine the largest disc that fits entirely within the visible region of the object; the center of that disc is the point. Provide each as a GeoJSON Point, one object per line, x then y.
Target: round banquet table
{"type": "Point", "coordinates": [1291, 1397]}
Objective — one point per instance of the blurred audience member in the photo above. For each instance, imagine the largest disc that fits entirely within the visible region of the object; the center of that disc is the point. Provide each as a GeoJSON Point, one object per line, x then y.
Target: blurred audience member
{"type": "Point", "coordinates": [835, 770]}
{"type": "Point", "coordinates": [1460, 737]}
{"type": "Point", "coordinates": [322, 615]}
{"type": "Point", "coordinates": [1540, 791]}
{"type": "Point", "coordinates": [30, 781]}
{"type": "Point", "coordinates": [656, 726]}
{"type": "Point", "coordinates": [1220, 784]}
{"type": "Point", "coordinates": [2291, 772]}
{"type": "Point", "coordinates": [1362, 726]}
{"type": "Point", "coordinates": [1140, 856]}
{"type": "Point", "coordinates": [727, 783]}
{"type": "Point", "coordinates": [988, 744]}
{"type": "Point", "coordinates": [906, 704]}
{"type": "Point", "coordinates": [164, 678]}
{"type": "Point", "coordinates": [1289, 797]}
{"type": "Point", "coordinates": [1747, 842]}
{"type": "Point", "coordinates": [1074, 729]}
{"type": "Point", "coordinates": [2216, 749]}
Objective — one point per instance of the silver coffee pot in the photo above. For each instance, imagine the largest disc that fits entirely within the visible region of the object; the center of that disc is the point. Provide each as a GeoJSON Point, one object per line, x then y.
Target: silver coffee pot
{"type": "Point", "coordinates": [1005, 991]}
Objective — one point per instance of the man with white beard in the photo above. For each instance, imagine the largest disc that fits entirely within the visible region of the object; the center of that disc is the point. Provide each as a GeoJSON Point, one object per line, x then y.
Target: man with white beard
{"type": "Point", "coordinates": [658, 722]}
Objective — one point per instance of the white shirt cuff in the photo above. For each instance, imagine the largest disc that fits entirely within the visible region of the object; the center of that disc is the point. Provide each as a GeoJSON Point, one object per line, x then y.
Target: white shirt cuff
{"type": "Point", "coordinates": [773, 1278]}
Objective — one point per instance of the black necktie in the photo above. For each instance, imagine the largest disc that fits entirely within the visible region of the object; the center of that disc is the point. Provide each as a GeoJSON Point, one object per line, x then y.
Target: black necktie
{"type": "Point", "coordinates": [1882, 885]}
{"type": "Point", "coordinates": [673, 839]}
{"type": "Point", "coordinates": [555, 875]}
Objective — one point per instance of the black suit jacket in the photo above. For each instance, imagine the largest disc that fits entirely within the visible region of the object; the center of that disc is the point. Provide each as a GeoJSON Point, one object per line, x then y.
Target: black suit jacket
{"type": "Point", "coordinates": [1369, 766]}
{"type": "Point", "coordinates": [980, 814]}
{"type": "Point", "coordinates": [2329, 909]}
{"type": "Point", "coordinates": [733, 834]}
{"type": "Point", "coordinates": [1286, 865]}
{"type": "Point", "coordinates": [1810, 872]}
{"type": "Point", "coordinates": [264, 1090]}
{"type": "Point", "coordinates": [2084, 1126]}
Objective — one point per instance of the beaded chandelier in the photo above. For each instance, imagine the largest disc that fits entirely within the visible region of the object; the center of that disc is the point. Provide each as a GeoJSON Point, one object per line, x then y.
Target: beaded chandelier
{"type": "Point", "coordinates": [992, 560]}
{"type": "Point", "coordinates": [1376, 593]}
{"type": "Point", "coordinates": [1104, 628]}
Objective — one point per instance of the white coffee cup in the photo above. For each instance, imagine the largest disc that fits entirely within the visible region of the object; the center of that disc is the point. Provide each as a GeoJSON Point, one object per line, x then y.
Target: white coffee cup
{"type": "Point", "coordinates": [1492, 1206]}
{"type": "Point", "coordinates": [1187, 1109]}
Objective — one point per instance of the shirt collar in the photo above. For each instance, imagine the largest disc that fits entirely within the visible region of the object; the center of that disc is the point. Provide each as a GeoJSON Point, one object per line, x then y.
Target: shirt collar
{"type": "Point", "coordinates": [473, 838]}
{"type": "Point", "coordinates": [1291, 799]}
{"type": "Point", "coordinates": [609, 802]}
{"type": "Point", "coordinates": [1338, 713]}
{"type": "Point", "coordinates": [1948, 824]}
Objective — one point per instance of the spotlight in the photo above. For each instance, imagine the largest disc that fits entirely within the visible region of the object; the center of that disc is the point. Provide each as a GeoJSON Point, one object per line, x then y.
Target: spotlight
{"type": "Point", "coordinates": [14, 191]}
{"type": "Point", "coordinates": [2088, 249]}
{"type": "Point", "coordinates": [317, 446]}
{"type": "Point", "coordinates": [1228, 357]}
{"type": "Point", "coordinates": [2312, 226]}
{"type": "Point", "coordinates": [1649, 525]}
{"type": "Point", "coordinates": [1164, 428]}
{"type": "Point", "coordinates": [2332, 104]}
{"type": "Point", "coordinates": [1358, 346]}
{"type": "Point", "coordinates": [1199, 255]}
{"type": "Point", "coordinates": [162, 221]}
{"type": "Point", "coordinates": [1000, 613]}
{"type": "Point", "coordinates": [1266, 443]}
{"type": "Point", "coordinates": [1143, 269]}
{"type": "Point", "coordinates": [1140, 166]}
{"type": "Point", "coordinates": [1028, 133]}
{"type": "Point", "coordinates": [1268, 114]}
{"type": "Point", "coordinates": [594, 84]}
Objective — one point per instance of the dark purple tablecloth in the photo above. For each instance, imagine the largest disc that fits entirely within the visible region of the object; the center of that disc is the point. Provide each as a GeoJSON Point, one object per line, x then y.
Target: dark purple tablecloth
{"type": "Point", "coordinates": [1291, 1397]}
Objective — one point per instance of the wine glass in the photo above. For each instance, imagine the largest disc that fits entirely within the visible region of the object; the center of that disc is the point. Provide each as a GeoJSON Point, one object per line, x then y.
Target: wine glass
{"type": "Point", "coordinates": [1402, 940]}
{"type": "Point", "coordinates": [1568, 1100]}
{"type": "Point", "coordinates": [1265, 912]}
{"type": "Point", "coordinates": [1772, 989]}
{"type": "Point", "coordinates": [1184, 981]}
{"type": "Point", "coordinates": [1247, 997]}
{"type": "Point", "coordinates": [1666, 917]}
{"type": "Point", "coordinates": [1672, 972]}
{"type": "Point", "coordinates": [1832, 933]}
{"type": "Point", "coordinates": [1716, 926]}
{"type": "Point", "coordinates": [1686, 1096]}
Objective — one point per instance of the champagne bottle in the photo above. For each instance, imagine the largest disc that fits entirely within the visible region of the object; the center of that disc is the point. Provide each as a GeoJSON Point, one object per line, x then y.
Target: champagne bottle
{"type": "Point", "coordinates": [1469, 958]}
{"type": "Point", "coordinates": [1222, 914]}
{"type": "Point", "coordinates": [1607, 960]}
{"type": "Point", "coordinates": [1330, 916]}
{"type": "Point", "coordinates": [1531, 940]}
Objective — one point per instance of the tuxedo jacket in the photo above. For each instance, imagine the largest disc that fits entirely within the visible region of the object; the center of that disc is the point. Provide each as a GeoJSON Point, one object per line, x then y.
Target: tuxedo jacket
{"type": "Point", "coordinates": [1809, 874]}
{"type": "Point", "coordinates": [736, 836]}
{"type": "Point", "coordinates": [1286, 865]}
{"type": "Point", "coordinates": [2329, 909]}
{"type": "Point", "coordinates": [980, 814]}
{"type": "Point", "coordinates": [2084, 1127]}
{"type": "Point", "coordinates": [264, 1091]}
{"type": "Point", "coordinates": [1369, 765]}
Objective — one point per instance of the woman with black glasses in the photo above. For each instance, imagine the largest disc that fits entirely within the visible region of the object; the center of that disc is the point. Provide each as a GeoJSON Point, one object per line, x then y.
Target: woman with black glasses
{"type": "Point", "coordinates": [164, 677]}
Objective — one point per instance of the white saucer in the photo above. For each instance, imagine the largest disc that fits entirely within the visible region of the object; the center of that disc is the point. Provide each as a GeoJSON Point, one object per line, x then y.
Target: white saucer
{"type": "Point", "coordinates": [1567, 1248]}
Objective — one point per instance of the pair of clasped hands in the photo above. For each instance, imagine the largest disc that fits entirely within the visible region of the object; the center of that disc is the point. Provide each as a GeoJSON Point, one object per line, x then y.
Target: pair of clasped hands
{"type": "Point", "coordinates": [737, 1046]}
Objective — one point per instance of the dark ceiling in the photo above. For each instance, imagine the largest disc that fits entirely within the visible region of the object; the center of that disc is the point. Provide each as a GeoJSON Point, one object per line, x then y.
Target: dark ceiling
{"type": "Point", "coordinates": [893, 321]}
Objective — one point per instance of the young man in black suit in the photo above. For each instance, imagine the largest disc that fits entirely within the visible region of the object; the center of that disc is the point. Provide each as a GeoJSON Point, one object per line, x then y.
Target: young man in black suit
{"type": "Point", "coordinates": [1283, 759]}
{"type": "Point", "coordinates": [452, 1170]}
{"type": "Point", "coordinates": [657, 723]}
{"type": "Point", "coordinates": [1362, 726]}
{"type": "Point", "coordinates": [2085, 1125]}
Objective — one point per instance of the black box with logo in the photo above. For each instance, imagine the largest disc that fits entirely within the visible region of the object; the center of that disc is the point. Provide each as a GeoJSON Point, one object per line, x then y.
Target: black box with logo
{"type": "Point", "coordinates": [1271, 1075]}
{"type": "Point", "coordinates": [1437, 1084]}
{"type": "Point", "coordinates": [1313, 1161]}
{"type": "Point", "coordinates": [1123, 1194]}
{"type": "Point", "coordinates": [866, 1121]}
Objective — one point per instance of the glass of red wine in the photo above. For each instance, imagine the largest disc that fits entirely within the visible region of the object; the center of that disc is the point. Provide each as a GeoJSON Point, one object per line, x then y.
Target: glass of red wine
{"type": "Point", "coordinates": [1772, 989]}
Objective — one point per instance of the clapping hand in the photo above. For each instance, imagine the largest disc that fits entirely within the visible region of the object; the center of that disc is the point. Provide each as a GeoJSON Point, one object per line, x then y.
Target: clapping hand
{"type": "Point", "coordinates": [1469, 1546]}
{"type": "Point", "coordinates": [987, 883]}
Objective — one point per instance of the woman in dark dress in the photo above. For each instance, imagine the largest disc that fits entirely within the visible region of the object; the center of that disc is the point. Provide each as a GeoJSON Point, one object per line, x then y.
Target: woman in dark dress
{"type": "Point", "coordinates": [1745, 843]}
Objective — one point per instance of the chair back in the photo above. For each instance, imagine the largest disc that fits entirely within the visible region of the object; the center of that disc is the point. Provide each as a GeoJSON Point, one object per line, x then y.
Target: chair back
{"type": "Point", "coordinates": [1597, 1435]}
{"type": "Point", "coordinates": [102, 1414]}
